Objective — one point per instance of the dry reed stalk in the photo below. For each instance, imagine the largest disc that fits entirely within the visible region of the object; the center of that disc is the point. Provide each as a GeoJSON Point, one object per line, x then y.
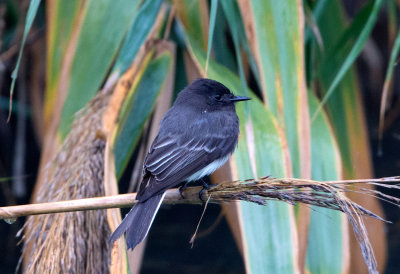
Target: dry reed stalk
{"type": "Point", "coordinates": [72, 242]}
{"type": "Point", "coordinates": [329, 194]}
{"type": "Point", "coordinates": [293, 191]}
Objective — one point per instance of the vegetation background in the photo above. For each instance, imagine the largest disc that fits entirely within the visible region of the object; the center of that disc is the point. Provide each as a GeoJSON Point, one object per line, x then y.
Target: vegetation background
{"type": "Point", "coordinates": [124, 62]}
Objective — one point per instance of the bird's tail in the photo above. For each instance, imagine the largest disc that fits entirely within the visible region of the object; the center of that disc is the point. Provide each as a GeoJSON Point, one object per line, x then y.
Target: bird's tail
{"type": "Point", "coordinates": [138, 221]}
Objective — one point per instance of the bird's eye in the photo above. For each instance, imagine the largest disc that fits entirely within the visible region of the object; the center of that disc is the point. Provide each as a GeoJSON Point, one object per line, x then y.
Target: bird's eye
{"type": "Point", "coordinates": [218, 97]}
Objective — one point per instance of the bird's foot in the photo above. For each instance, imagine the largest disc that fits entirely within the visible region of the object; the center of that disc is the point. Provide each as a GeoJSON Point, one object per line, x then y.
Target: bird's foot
{"type": "Point", "coordinates": [205, 187]}
{"type": "Point", "coordinates": [181, 189]}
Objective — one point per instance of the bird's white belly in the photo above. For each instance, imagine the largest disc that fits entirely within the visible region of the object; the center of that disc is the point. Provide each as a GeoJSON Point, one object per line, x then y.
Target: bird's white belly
{"type": "Point", "coordinates": [208, 169]}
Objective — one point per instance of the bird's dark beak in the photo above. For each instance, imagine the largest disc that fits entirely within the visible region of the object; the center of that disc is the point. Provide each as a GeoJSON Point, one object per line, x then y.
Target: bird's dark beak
{"type": "Point", "coordinates": [239, 98]}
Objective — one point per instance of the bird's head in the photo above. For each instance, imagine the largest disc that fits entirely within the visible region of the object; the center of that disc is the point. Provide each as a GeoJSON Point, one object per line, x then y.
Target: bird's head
{"type": "Point", "coordinates": [210, 93]}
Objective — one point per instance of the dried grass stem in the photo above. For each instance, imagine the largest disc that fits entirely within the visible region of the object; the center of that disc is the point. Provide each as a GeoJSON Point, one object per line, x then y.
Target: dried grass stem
{"type": "Point", "coordinates": [329, 194]}
{"type": "Point", "coordinates": [324, 194]}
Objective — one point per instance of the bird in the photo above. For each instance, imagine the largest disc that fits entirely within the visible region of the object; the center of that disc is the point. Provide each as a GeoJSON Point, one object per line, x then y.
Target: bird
{"type": "Point", "coordinates": [196, 136]}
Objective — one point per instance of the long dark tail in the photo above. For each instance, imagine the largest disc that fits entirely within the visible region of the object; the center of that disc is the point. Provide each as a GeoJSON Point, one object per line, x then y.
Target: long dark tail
{"type": "Point", "coordinates": [138, 221]}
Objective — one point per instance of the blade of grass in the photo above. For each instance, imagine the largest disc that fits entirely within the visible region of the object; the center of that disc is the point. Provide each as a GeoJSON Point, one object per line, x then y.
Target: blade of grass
{"type": "Point", "coordinates": [385, 91]}
{"type": "Point", "coordinates": [355, 51]}
{"type": "Point", "coordinates": [30, 16]}
{"type": "Point", "coordinates": [214, 7]}
{"type": "Point", "coordinates": [60, 15]}
{"type": "Point", "coordinates": [194, 16]}
{"type": "Point", "coordinates": [139, 106]}
{"type": "Point", "coordinates": [328, 245]}
{"type": "Point", "coordinates": [265, 244]}
{"type": "Point", "coordinates": [231, 14]}
{"type": "Point", "coordinates": [81, 72]}
{"type": "Point", "coordinates": [108, 20]}
{"type": "Point", "coordinates": [137, 34]}
{"type": "Point", "coordinates": [275, 36]}
{"type": "Point", "coordinates": [229, 9]}
{"type": "Point", "coordinates": [347, 116]}
{"type": "Point", "coordinates": [274, 30]}
{"type": "Point", "coordinates": [223, 54]}
{"type": "Point", "coordinates": [392, 20]}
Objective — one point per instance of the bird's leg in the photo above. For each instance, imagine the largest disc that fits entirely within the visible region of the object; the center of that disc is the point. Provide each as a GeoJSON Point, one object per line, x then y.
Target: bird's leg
{"type": "Point", "coordinates": [205, 187]}
{"type": "Point", "coordinates": [182, 188]}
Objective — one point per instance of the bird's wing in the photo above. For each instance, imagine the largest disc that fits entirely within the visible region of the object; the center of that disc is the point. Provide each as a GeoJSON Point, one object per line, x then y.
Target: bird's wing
{"type": "Point", "coordinates": [172, 159]}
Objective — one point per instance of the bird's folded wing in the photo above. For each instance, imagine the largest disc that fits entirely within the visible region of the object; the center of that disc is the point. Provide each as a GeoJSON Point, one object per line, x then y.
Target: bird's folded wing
{"type": "Point", "coordinates": [171, 160]}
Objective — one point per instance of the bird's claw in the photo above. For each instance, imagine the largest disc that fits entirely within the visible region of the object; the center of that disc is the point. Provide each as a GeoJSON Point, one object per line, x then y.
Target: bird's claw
{"type": "Point", "coordinates": [181, 189]}
{"type": "Point", "coordinates": [205, 187]}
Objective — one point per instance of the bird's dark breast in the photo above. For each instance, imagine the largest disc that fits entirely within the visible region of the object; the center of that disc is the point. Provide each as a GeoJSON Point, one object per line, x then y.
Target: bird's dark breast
{"type": "Point", "coordinates": [185, 145]}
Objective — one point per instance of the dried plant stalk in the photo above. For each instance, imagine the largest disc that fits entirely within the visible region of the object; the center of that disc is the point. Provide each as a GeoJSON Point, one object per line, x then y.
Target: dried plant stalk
{"type": "Point", "coordinates": [72, 242]}
{"type": "Point", "coordinates": [324, 194]}
{"type": "Point", "coordinates": [293, 190]}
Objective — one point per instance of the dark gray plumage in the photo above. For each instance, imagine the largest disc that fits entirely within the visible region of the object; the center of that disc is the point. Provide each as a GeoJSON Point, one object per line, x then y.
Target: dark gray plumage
{"type": "Point", "coordinates": [196, 136]}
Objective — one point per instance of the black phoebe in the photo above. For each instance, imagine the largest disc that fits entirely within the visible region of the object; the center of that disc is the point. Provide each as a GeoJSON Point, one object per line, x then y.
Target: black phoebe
{"type": "Point", "coordinates": [196, 136]}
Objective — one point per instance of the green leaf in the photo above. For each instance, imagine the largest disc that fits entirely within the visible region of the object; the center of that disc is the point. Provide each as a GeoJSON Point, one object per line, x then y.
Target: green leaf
{"type": "Point", "coordinates": [268, 245]}
{"type": "Point", "coordinates": [326, 248]}
{"type": "Point", "coordinates": [62, 18]}
{"type": "Point", "coordinates": [388, 79]}
{"type": "Point", "coordinates": [235, 23]}
{"type": "Point", "coordinates": [104, 25]}
{"type": "Point", "coordinates": [137, 34]}
{"type": "Point", "coordinates": [355, 51]}
{"type": "Point", "coordinates": [222, 52]}
{"type": "Point", "coordinates": [191, 13]}
{"type": "Point", "coordinates": [347, 118]}
{"type": "Point", "coordinates": [344, 105]}
{"type": "Point", "coordinates": [138, 109]}
{"type": "Point", "coordinates": [214, 6]}
{"type": "Point", "coordinates": [30, 16]}
{"type": "Point", "coordinates": [61, 15]}
{"type": "Point", "coordinates": [277, 45]}
{"type": "Point", "coordinates": [229, 9]}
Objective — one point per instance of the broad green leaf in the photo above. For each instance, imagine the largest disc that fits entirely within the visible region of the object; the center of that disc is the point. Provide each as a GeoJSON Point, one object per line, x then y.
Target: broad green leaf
{"type": "Point", "coordinates": [138, 107]}
{"type": "Point", "coordinates": [235, 23]}
{"type": "Point", "coordinates": [355, 51]}
{"type": "Point", "coordinates": [180, 81]}
{"type": "Point", "coordinates": [104, 24]}
{"type": "Point", "coordinates": [268, 245]}
{"type": "Point", "coordinates": [344, 105]}
{"type": "Point", "coordinates": [229, 9]}
{"type": "Point", "coordinates": [222, 52]}
{"type": "Point", "coordinates": [347, 117]}
{"type": "Point", "coordinates": [191, 13]}
{"type": "Point", "coordinates": [326, 243]}
{"type": "Point", "coordinates": [30, 16]}
{"type": "Point", "coordinates": [137, 34]}
{"type": "Point", "coordinates": [276, 39]}
{"type": "Point", "coordinates": [214, 6]}
{"type": "Point", "coordinates": [62, 15]}
{"type": "Point", "coordinates": [275, 33]}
